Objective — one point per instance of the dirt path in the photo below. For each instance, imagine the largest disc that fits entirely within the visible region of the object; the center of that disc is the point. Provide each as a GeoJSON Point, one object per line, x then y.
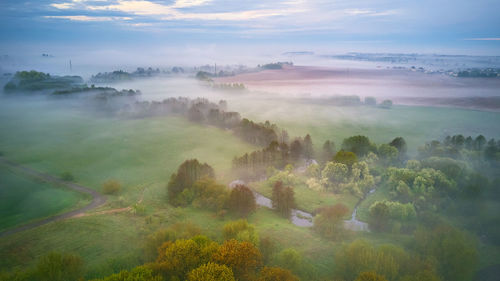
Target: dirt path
{"type": "Point", "coordinates": [97, 198]}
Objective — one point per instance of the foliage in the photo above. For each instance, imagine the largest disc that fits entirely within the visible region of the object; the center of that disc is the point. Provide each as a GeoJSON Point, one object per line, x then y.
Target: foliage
{"type": "Point", "coordinates": [111, 187]}
{"type": "Point", "coordinates": [211, 272]}
{"type": "Point", "coordinates": [141, 273]}
{"type": "Point", "coordinates": [283, 199]}
{"type": "Point", "coordinates": [345, 157]}
{"type": "Point", "coordinates": [360, 145]}
{"type": "Point", "coordinates": [388, 152]}
{"type": "Point", "coordinates": [210, 195]}
{"type": "Point", "coordinates": [329, 222]}
{"type": "Point", "coordinates": [370, 276]}
{"type": "Point", "coordinates": [242, 257]}
{"type": "Point", "coordinates": [328, 151]}
{"type": "Point", "coordinates": [187, 174]}
{"type": "Point", "coordinates": [242, 200]}
{"type": "Point", "coordinates": [67, 176]}
{"type": "Point", "coordinates": [59, 267]}
{"type": "Point", "coordinates": [180, 257]}
{"type": "Point", "coordinates": [177, 231]}
{"type": "Point", "coordinates": [276, 274]}
{"type": "Point", "coordinates": [454, 250]}
{"type": "Point", "coordinates": [241, 230]}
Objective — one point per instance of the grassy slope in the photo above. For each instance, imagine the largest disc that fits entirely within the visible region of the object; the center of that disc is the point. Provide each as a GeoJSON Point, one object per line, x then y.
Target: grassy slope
{"type": "Point", "coordinates": [25, 199]}
{"type": "Point", "coordinates": [139, 152]}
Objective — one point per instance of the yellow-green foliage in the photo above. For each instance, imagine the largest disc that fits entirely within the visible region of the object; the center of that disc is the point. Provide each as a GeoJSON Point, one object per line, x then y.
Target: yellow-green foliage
{"type": "Point", "coordinates": [111, 187]}
{"type": "Point", "coordinates": [211, 272]}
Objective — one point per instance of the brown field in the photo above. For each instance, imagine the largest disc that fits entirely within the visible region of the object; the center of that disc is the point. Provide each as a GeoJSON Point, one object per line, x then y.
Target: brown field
{"type": "Point", "coordinates": [402, 86]}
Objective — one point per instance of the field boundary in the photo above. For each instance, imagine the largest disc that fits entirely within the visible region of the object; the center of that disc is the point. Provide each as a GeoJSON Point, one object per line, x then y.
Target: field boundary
{"type": "Point", "coordinates": [97, 198]}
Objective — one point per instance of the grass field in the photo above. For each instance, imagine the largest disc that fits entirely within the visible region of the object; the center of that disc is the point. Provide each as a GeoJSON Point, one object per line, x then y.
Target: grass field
{"type": "Point", "coordinates": [142, 153]}
{"type": "Point", "coordinates": [23, 199]}
{"type": "Point", "coordinates": [417, 124]}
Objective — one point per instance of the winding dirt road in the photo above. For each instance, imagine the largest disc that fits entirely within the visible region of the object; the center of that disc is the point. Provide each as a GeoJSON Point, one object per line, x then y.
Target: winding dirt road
{"type": "Point", "coordinates": [97, 198]}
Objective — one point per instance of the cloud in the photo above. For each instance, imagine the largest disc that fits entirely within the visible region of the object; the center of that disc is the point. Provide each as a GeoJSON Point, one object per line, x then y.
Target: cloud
{"type": "Point", "coordinates": [365, 12]}
{"type": "Point", "coordinates": [174, 12]}
{"type": "Point", "coordinates": [88, 18]}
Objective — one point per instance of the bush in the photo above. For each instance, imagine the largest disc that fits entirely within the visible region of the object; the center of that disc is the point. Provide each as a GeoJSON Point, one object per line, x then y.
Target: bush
{"type": "Point", "coordinates": [111, 187]}
{"type": "Point", "coordinates": [67, 176]}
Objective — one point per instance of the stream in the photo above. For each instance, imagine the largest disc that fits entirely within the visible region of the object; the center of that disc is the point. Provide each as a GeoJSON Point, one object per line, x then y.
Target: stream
{"type": "Point", "coordinates": [305, 219]}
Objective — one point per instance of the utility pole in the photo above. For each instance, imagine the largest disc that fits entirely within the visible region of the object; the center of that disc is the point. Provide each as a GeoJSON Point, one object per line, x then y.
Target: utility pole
{"type": "Point", "coordinates": [215, 70]}
{"type": "Point", "coordinates": [70, 66]}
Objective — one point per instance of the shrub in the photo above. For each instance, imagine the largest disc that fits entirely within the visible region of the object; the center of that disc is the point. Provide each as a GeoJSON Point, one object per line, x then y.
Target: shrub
{"type": "Point", "coordinates": [111, 187]}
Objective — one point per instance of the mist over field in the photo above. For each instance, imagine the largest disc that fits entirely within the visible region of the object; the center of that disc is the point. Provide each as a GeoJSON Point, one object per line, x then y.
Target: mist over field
{"type": "Point", "coordinates": [252, 141]}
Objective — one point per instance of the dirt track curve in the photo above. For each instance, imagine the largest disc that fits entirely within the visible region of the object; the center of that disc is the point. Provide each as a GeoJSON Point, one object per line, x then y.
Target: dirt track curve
{"type": "Point", "coordinates": [97, 198]}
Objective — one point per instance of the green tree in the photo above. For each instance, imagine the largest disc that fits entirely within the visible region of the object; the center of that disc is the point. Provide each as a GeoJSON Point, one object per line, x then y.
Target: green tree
{"type": "Point", "coordinates": [60, 267]}
{"type": "Point", "coordinates": [388, 152]}
{"type": "Point", "coordinates": [335, 173]}
{"type": "Point", "coordinates": [308, 147]}
{"type": "Point", "coordinates": [140, 273]}
{"type": "Point", "coordinates": [329, 222]}
{"type": "Point", "coordinates": [360, 145]}
{"type": "Point", "coordinates": [379, 216]}
{"type": "Point", "coordinates": [240, 230]}
{"type": "Point", "coordinates": [211, 272]}
{"type": "Point", "coordinates": [328, 151]}
{"type": "Point", "coordinates": [242, 257]}
{"type": "Point", "coordinates": [187, 174]}
{"type": "Point", "coordinates": [283, 199]}
{"type": "Point", "coordinates": [208, 194]}
{"type": "Point", "coordinates": [242, 201]}
{"type": "Point", "coordinates": [370, 276]}
{"type": "Point", "coordinates": [345, 157]}
{"type": "Point", "coordinates": [276, 274]}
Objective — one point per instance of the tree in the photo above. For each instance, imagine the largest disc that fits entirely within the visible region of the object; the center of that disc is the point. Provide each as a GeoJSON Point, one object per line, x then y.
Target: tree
{"type": "Point", "coordinates": [379, 215]}
{"type": "Point", "coordinates": [329, 222]}
{"type": "Point", "coordinates": [345, 157]}
{"type": "Point", "coordinates": [479, 142]}
{"type": "Point", "coordinates": [240, 230]}
{"type": "Point", "coordinates": [242, 200]}
{"type": "Point", "coordinates": [187, 174]}
{"type": "Point", "coordinates": [242, 257]}
{"type": "Point", "coordinates": [140, 273]}
{"type": "Point", "coordinates": [360, 145]}
{"type": "Point", "coordinates": [388, 152]}
{"type": "Point", "coordinates": [370, 101]}
{"type": "Point", "coordinates": [276, 274]}
{"type": "Point", "coordinates": [267, 248]}
{"type": "Point", "coordinates": [454, 250]}
{"type": "Point", "coordinates": [283, 199]}
{"type": "Point", "coordinates": [177, 231]}
{"type": "Point", "coordinates": [296, 150]}
{"type": "Point", "coordinates": [386, 104]}
{"type": "Point", "coordinates": [370, 276]}
{"type": "Point", "coordinates": [111, 187]}
{"type": "Point", "coordinates": [400, 144]}
{"type": "Point", "coordinates": [308, 147]}
{"type": "Point", "coordinates": [328, 151]}
{"type": "Point", "coordinates": [290, 259]}
{"type": "Point", "coordinates": [180, 257]}
{"type": "Point", "coordinates": [211, 272]}
{"type": "Point", "coordinates": [60, 267]}
{"type": "Point", "coordinates": [208, 194]}
{"type": "Point", "coordinates": [335, 172]}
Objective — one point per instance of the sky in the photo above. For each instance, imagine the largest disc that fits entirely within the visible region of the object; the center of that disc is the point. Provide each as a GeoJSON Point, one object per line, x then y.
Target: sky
{"type": "Point", "coordinates": [241, 27]}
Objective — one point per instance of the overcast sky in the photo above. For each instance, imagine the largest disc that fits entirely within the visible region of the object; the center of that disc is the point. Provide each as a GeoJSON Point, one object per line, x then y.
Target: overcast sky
{"type": "Point", "coordinates": [423, 26]}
